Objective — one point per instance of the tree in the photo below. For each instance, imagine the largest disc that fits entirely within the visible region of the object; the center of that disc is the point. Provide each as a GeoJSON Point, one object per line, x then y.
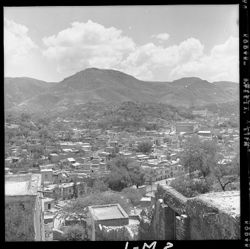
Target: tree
{"type": "Point", "coordinates": [203, 156]}
{"type": "Point", "coordinates": [190, 187]}
{"type": "Point", "coordinates": [150, 126]}
{"type": "Point", "coordinates": [136, 174]}
{"type": "Point", "coordinates": [227, 173]}
{"type": "Point", "coordinates": [118, 179]}
{"type": "Point", "coordinates": [43, 121]}
{"type": "Point", "coordinates": [75, 233]}
{"type": "Point", "coordinates": [37, 151]}
{"type": "Point", "coordinates": [134, 195]}
{"type": "Point", "coordinates": [145, 147]}
{"type": "Point", "coordinates": [25, 117]}
{"type": "Point", "coordinates": [124, 172]}
{"type": "Point", "coordinates": [199, 155]}
{"type": "Point", "coordinates": [9, 118]}
{"type": "Point", "coordinates": [43, 133]}
{"type": "Point", "coordinates": [99, 186]}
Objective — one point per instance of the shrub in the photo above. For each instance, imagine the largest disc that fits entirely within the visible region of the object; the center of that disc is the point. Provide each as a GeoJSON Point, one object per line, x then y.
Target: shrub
{"type": "Point", "coordinates": [190, 187]}
{"type": "Point", "coordinates": [75, 233]}
{"type": "Point", "coordinates": [134, 195]}
{"type": "Point", "coordinates": [145, 147]}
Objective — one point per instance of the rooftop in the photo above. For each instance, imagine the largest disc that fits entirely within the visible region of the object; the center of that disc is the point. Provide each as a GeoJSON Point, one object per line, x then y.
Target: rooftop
{"type": "Point", "coordinates": [108, 212]}
{"type": "Point", "coordinates": [47, 199]}
{"type": "Point", "coordinates": [25, 184]}
{"type": "Point", "coordinates": [46, 170]}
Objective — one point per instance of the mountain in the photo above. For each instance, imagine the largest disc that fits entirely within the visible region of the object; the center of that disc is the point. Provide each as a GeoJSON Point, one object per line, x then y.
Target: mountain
{"type": "Point", "coordinates": [193, 91]}
{"type": "Point", "coordinates": [111, 86]}
{"type": "Point", "coordinates": [228, 87]}
{"type": "Point", "coordinates": [18, 90]}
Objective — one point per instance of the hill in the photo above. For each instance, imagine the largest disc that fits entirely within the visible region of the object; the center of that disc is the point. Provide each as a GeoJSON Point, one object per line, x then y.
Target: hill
{"type": "Point", "coordinates": [20, 89]}
{"type": "Point", "coordinates": [111, 86]}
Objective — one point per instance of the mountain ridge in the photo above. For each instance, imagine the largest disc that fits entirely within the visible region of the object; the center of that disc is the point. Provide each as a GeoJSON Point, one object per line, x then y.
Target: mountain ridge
{"type": "Point", "coordinates": [112, 86]}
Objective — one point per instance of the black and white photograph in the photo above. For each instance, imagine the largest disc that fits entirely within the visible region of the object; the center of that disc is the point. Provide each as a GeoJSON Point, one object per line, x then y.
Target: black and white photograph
{"type": "Point", "coordinates": [122, 123]}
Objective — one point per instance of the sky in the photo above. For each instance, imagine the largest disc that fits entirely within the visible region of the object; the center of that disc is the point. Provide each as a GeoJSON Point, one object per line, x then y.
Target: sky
{"type": "Point", "coordinates": [156, 43]}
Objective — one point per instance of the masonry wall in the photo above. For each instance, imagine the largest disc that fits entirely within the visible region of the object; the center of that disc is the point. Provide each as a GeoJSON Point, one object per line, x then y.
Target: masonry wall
{"type": "Point", "coordinates": [38, 220]}
{"type": "Point", "coordinates": [182, 227]}
{"type": "Point", "coordinates": [23, 218]}
{"type": "Point", "coordinates": [210, 223]}
{"type": "Point", "coordinates": [161, 229]}
{"type": "Point", "coordinates": [145, 229]}
{"type": "Point", "coordinates": [119, 233]}
{"type": "Point", "coordinates": [176, 217]}
{"type": "Point", "coordinates": [58, 234]}
{"type": "Point", "coordinates": [19, 215]}
{"type": "Point", "coordinates": [114, 222]}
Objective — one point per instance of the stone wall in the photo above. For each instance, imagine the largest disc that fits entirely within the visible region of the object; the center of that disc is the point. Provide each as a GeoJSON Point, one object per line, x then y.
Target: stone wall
{"type": "Point", "coordinates": [172, 198]}
{"type": "Point", "coordinates": [145, 229]}
{"type": "Point", "coordinates": [19, 213]}
{"type": "Point", "coordinates": [160, 229]}
{"type": "Point", "coordinates": [58, 235]}
{"type": "Point", "coordinates": [114, 222]}
{"type": "Point", "coordinates": [208, 216]}
{"type": "Point", "coordinates": [39, 219]}
{"type": "Point", "coordinates": [116, 233]}
{"type": "Point", "coordinates": [208, 221]}
{"type": "Point", "coordinates": [182, 231]}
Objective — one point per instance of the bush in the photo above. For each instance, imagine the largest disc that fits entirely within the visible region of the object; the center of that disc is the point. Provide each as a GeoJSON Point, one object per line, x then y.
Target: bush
{"type": "Point", "coordinates": [190, 187]}
{"type": "Point", "coordinates": [75, 233]}
{"type": "Point", "coordinates": [134, 195]}
{"type": "Point", "coordinates": [145, 147]}
{"type": "Point", "coordinates": [118, 179]}
{"type": "Point", "coordinates": [199, 155]}
{"type": "Point", "coordinates": [124, 173]}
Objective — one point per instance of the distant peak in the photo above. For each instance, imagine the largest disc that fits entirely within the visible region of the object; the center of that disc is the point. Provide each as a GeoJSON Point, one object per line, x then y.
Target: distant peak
{"type": "Point", "coordinates": [189, 78]}
{"type": "Point", "coordinates": [105, 71]}
{"type": "Point", "coordinates": [92, 69]}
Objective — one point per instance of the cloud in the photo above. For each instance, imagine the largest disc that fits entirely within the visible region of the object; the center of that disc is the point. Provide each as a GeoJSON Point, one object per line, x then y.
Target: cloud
{"type": "Point", "coordinates": [87, 45]}
{"type": "Point", "coordinates": [90, 44]}
{"type": "Point", "coordinates": [222, 63]}
{"type": "Point", "coordinates": [17, 43]}
{"type": "Point", "coordinates": [150, 57]}
{"type": "Point", "coordinates": [20, 52]}
{"type": "Point", "coordinates": [162, 37]}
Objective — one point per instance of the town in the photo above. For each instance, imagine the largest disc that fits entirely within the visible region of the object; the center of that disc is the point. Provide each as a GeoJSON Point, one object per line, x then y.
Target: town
{"type": "Point", "coordinates": [77, 178]}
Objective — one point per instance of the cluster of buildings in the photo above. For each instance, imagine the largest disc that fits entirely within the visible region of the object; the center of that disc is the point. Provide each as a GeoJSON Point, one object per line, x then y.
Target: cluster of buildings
{"type": "Point", "coordinates": [35, 196]}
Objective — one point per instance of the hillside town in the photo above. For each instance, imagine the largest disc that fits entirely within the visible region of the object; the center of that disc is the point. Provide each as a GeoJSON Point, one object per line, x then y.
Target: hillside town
{"type": "Point", "coordinates": [67, 167]}
{"type": "Point", "coordinates": [122, 123]}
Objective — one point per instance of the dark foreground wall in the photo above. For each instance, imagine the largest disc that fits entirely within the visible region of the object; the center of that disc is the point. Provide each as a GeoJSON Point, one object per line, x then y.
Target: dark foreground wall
{"type": "Point", "coordinates": [23, 219]}
{"type": "Point", "coordinates": [206, 217]}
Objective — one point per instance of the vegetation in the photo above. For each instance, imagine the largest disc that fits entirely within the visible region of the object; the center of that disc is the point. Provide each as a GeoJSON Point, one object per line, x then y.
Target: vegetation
{"type": "Point", "coordinates": [134, 195]}
{"type": "Point", "coordinates": [118, 179]}
{"type": "Point", "coordinates": [124, 173]}
{"type": "Point", "coordinates": [226, 174]}
{"type": "Point", "coordinates": [126, 115]}
{"type": "Point", "coordinates": [99, 186]}
{"type": "Point", "coordinates": [145, 147]}
{"type": "Point", "coordinates": [203, 157]}
{"type": "Point", "coordinates": [199, 155]}
{"type": "Point", "coordinates": [190, 187]}
{"type": "Point", "coordinates": [75, 233]}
